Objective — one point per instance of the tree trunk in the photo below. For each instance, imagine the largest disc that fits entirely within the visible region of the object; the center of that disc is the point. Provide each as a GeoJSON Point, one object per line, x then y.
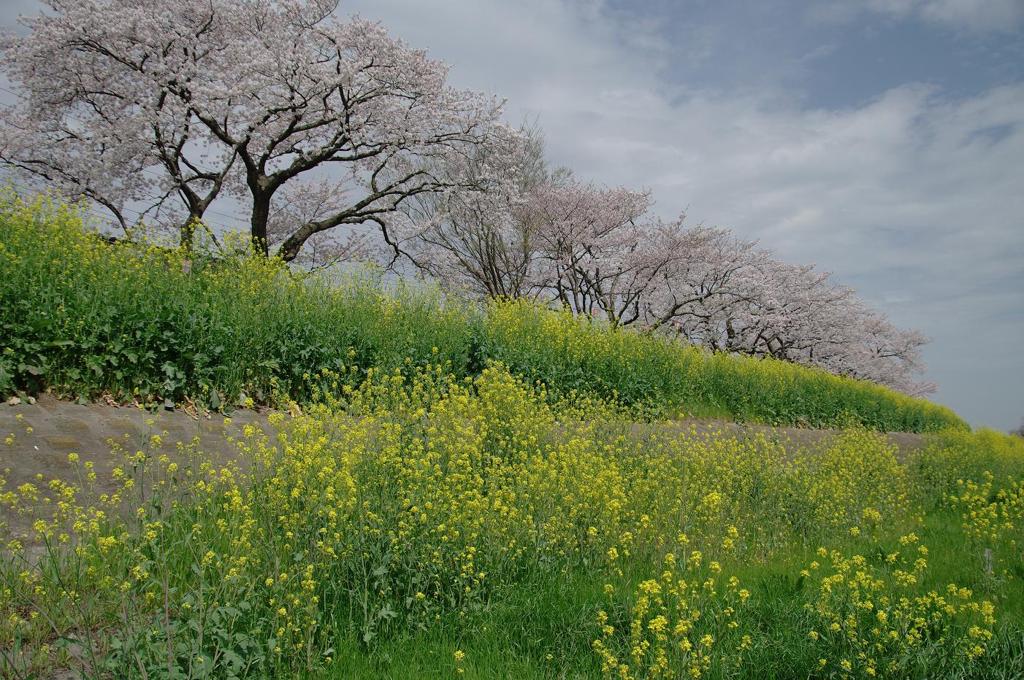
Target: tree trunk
{"type": "Point", "coordinates": [258, 224]}
{"type": "Point", "coordinates": [188, 232]}
{"type": "Point", "coordinates": [289, 250]}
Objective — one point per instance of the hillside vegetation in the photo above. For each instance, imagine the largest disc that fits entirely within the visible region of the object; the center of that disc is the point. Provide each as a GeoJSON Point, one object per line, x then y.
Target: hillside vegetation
{"type": "Point", "coordinates": [84, 318]}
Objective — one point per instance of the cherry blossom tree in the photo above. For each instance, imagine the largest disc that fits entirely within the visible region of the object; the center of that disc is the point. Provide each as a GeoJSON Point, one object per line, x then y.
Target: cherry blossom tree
{"type": "Point", "coordinates": [599, 252]}
{"type": "Point", "coordinates": [876, 350]}
{"type": "Point", "coordinates": [254, 94]}
{"type": "Point", "coordinates": [711, 273]}
{"type": "Point", "coordinates": [596, 251]}
{"type": "Point", "coordinates": [297, 204]}
{"type": "Point", "coordinates": [586, 232]}
{"type": "Point", "coordinates": [790, 313]}
{"type": "Point", "coordinates": [624, 284]}
{"type": "Point", "coordinates": [482, 239]}
{"type": "Point", "coordinates": [798, 314]}
{"type": "Point", "coordinates": [96, 117]}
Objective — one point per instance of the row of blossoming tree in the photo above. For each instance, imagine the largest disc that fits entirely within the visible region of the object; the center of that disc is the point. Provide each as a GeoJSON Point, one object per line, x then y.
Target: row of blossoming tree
{"type": "Point", "coordinates": [341, 141]}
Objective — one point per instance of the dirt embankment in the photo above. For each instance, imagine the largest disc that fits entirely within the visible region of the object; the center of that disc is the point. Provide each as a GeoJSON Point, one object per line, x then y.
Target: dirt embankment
{"type": "Point", "coordinates": [49, 430]}
{"type": "Point", "coordinates": [35, 439]}
{"type": "Point", "coordinates": [45, 433]}
{"type": "Point", "coordinates": [791, 437]}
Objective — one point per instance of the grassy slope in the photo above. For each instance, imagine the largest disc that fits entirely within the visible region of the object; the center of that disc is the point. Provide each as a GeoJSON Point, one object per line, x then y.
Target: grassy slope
{"type": "Point", "coordinates": [84, 318]}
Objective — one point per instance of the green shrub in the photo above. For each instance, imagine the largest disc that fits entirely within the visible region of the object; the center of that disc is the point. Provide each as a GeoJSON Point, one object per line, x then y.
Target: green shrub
{"type": "Point", "coordinates": [84, 317]}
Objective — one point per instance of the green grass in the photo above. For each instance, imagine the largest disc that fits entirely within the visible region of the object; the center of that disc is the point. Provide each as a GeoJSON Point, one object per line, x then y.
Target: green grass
{"type": "Point", "coordinates": [84, 318]}
{"type": "Point", "coordinates": [511, 636]}
{"type": "Point", "coordinates": [542, 627]}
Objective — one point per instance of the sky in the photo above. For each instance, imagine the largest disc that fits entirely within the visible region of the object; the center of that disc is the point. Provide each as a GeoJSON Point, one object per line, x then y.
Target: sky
{"type": "Point", "coordinates": [882, 140]}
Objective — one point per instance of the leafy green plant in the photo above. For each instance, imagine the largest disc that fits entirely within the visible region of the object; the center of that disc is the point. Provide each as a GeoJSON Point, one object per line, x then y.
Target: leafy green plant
{"type": "Point", "coordinates": [137, 322]}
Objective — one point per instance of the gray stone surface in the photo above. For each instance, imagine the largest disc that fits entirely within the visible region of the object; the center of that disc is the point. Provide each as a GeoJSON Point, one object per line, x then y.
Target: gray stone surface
{"type": "Point", "coordinates": [45, 433]}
